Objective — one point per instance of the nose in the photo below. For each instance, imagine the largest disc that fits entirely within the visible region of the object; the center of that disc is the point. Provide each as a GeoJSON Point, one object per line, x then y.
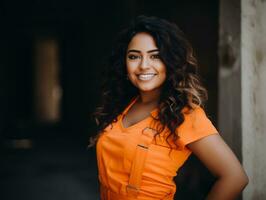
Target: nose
{"type": "Point", "coordinates": [145, 63]}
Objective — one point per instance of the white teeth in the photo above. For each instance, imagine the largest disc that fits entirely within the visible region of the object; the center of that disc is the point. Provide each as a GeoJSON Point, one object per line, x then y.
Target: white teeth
{"type": "Point", "coordinates": [145, 77]}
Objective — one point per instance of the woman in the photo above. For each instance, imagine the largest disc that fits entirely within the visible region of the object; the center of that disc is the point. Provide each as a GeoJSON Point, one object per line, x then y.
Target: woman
{"type": "Point", "coordinates": [151, 118]}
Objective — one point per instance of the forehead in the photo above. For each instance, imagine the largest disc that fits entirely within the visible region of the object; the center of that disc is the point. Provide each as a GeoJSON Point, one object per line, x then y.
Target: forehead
{"type": "Point", "coordinates": [143, 42]}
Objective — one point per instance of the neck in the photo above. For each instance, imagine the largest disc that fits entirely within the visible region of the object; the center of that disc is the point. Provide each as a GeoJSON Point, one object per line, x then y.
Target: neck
{"type": "Point", "coordinates": [150, 97]}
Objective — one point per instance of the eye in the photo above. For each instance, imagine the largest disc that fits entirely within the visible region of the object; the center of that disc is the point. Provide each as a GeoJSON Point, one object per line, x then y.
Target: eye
{"type": "Point", "coordinates": [155, 56]}
{"type": "Point", "coordinates": [133, 57]}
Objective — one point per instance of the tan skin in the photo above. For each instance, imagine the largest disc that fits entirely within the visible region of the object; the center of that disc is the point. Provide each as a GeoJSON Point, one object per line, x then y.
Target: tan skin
{"type": "Point", "coordinates": [211, 150]}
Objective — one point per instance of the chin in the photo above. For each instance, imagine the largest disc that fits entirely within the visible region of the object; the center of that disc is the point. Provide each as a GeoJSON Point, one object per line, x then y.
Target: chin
{"type": "Point", "coordinates": [147, 89]}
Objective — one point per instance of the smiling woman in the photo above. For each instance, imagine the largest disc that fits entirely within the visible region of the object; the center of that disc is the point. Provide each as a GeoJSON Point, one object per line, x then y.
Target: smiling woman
{"type": "Point", "coordinates": [145, 69]}
{"type": "Point", "coordinates": [151, 118]}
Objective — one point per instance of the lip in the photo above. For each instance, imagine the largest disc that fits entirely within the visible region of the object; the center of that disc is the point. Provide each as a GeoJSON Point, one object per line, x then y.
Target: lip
{"type": "Point", "coordinates": [146, 76]}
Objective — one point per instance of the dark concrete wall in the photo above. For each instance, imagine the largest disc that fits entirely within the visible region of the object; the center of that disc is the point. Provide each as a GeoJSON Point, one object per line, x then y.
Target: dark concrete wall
{"type": "Point", "coordinates": [230, 75]}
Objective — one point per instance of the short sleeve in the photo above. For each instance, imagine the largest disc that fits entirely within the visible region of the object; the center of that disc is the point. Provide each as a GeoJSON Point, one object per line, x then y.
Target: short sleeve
{"type": "Point", "coordinates": [196, 125]}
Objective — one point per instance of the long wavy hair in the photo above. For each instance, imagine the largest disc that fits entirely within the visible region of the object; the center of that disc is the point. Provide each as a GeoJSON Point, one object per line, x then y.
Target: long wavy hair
{"type": "Point", "coordinates": [181, 89]}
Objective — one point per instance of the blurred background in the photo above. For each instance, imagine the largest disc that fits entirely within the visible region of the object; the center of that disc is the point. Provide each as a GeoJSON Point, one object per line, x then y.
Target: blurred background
{"type": "Point", "coordinates": [51, 56]}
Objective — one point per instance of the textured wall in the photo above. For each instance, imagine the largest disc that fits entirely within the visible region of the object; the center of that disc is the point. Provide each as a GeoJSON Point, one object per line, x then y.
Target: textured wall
{"type": "Point", "coordinates": [229, 113]}
{"type": "Point", "coordinates": [253, 51]}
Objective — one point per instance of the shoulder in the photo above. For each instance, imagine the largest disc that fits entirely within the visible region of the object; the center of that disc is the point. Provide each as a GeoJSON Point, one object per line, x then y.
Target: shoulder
{"type": "Point", "coordinates": [195, 109]}
{"type": "Point", "coordinates": [193, 115]}
{"type": "Point", "coordinates": [196, 125]}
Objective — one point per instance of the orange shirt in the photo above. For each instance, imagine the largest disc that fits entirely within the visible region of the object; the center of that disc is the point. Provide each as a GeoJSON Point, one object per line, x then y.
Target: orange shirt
{"type": "Point", "coordinates": [132, 165]}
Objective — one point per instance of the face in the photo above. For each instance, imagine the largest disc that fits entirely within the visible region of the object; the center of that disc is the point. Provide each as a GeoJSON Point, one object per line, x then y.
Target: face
{"type": "Point", "coordinates": [145, 69]}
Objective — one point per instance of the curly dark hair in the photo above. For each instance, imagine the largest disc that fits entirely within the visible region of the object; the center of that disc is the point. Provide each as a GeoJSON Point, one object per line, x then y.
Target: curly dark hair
{"type": "Point", "coordinates": [181, 89]}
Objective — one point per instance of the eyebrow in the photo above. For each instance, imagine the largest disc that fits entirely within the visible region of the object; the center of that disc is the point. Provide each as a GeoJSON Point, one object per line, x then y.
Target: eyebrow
{"type": "Point", "coordinates": [137, 51]}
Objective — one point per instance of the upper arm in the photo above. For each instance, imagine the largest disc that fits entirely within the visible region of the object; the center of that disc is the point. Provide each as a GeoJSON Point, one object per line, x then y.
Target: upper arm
{"type": "Point", "coordinates": [215, 154]}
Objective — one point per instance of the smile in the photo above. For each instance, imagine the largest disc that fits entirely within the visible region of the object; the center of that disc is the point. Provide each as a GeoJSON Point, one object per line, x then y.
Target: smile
{"type": "Point", "coordinates": [146, 77]}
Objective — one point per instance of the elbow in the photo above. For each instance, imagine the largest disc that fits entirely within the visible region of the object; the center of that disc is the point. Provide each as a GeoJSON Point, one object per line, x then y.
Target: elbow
{"type": "Point", "coordinates": [245, 180]}
{"type": "Point", "coordinates": [242, 180]}
{"type": "Point", "coordinates": [239, 180]}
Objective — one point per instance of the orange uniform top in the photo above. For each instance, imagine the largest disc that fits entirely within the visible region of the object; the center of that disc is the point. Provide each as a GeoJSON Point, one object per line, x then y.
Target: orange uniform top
{"type": "Point", "coordinates": [132, 165]}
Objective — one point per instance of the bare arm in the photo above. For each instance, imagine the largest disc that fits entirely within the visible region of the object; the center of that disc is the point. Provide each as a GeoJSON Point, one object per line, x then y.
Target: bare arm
{"type": "Point", "coordinates": [222, 163]}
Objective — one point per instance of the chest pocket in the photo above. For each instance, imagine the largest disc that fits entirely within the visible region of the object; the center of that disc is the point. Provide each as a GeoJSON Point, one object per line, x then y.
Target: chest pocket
{"type": "Point", "coordinates": [162, 160]}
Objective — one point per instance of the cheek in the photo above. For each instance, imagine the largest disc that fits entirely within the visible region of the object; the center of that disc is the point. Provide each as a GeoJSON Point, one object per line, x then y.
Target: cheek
{"type": "Point", "coordinates": [131, 72]}
{"type": "Point", "coordinates": [163, 77]}
{"type": "Point", "coordinates": [162, 70]}
{"type": "Point", "coordinates": [131, 67]}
